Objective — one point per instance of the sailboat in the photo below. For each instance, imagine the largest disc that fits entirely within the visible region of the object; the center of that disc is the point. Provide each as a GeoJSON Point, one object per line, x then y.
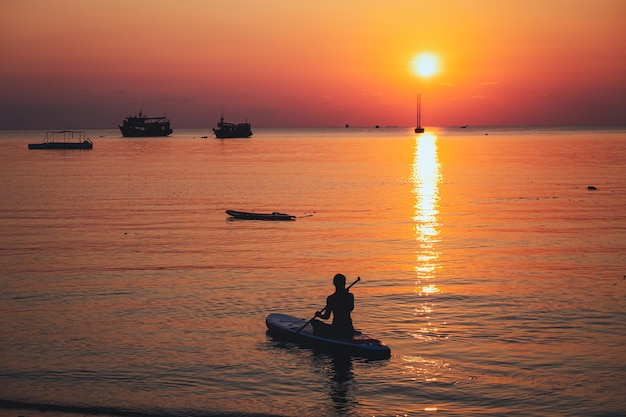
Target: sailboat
{"type": "Point", "coordinates": [419, 128]}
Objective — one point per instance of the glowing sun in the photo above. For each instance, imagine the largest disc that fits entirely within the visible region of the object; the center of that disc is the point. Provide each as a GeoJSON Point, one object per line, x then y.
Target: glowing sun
{"type": "Point", "coordinates": [425, 65]}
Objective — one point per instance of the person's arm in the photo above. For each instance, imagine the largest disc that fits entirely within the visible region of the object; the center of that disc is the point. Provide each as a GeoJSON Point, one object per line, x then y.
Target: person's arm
{"type": "Point", "coordinates": [325, 312]}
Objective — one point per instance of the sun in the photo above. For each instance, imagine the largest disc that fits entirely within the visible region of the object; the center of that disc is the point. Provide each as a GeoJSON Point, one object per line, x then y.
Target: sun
{"type": "Point", "coordinates": [425, 64]}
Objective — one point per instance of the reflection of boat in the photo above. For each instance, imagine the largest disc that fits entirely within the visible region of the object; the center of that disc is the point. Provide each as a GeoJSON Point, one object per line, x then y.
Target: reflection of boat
{"type": "Point", "coordinates": [275, 216]}
{"type": "Point", "coordinates": [419, 128]}
{"type": "Point", "coordinates": [283, 325]}
{"type": "Point", "coordinates": [232, 130]}
{"type": "Point", "coordinates": [72, 139]}
{"type": "Point", "coordinates": [141, 126]}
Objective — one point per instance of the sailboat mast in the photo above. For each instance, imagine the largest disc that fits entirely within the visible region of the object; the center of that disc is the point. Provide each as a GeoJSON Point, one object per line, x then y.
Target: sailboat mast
{"type": "Point", "coordinates": [418, 116]}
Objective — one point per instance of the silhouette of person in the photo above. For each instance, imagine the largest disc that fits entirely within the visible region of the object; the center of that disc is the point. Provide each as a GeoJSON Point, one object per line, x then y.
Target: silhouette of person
{"type": "Point", "coordinates": [340, 304]}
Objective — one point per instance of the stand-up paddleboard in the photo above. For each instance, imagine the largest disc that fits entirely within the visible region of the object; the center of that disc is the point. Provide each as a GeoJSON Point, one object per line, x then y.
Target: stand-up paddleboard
{"type": "Point", "coordinates": [363, 345]}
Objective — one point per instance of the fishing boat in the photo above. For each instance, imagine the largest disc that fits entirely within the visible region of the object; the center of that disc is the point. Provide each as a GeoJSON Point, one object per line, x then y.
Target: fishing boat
{"type": "Point", "coordinates": [141, 126]}
{"type": "Point", "coordinates": [291, 328]}
{"type": "Point", "coordinates": [63, 139]}
{"type": "Point", "coordinates": [231, 130]}
{"type": "Point", "coordinates": [275, 216]}
{"type": "Point", "coordinates": [419, 128]}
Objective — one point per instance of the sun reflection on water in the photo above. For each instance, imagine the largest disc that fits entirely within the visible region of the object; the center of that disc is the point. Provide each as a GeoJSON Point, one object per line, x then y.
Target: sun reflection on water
{"type": "Point", "coordinates": [426, 175]}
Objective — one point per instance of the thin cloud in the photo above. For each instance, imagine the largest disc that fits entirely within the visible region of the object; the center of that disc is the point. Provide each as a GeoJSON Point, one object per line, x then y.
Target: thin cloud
{"type": "Point", "coordinates": [372, 94]}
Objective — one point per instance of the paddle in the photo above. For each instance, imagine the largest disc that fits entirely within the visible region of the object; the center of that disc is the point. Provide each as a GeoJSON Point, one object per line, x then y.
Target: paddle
{"type": "Point", "coordinates": [322, 310]}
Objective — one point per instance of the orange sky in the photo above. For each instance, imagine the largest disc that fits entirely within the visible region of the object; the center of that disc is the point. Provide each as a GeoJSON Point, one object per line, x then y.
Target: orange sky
{"type": "Point", "coordinates": [88, 64]}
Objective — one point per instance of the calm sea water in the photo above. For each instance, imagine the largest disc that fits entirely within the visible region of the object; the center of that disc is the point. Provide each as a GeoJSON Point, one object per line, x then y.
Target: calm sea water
{"type": "Point", "coordinates": [488, 266]}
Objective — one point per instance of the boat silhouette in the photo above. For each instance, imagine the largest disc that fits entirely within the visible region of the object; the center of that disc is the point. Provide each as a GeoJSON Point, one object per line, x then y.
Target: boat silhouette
{"type": "Point", "coordinates": [231, 130]}
{"type": "Point", "coordinates": [63, 139]}
{"type": "Point", "coordinates": [141, 126]}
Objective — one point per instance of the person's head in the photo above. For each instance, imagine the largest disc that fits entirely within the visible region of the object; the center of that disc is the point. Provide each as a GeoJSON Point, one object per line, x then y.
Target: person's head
{"type": "Point", "coordinates": [339, 281]}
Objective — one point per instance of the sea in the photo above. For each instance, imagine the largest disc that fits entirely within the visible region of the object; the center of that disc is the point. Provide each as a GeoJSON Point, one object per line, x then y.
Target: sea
{"type": "Point", "coordinates": [492, 263]}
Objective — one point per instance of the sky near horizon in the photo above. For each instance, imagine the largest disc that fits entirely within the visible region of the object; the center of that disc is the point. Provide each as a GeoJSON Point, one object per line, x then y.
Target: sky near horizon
{"type": "Point", "coordinates": [80, 64]}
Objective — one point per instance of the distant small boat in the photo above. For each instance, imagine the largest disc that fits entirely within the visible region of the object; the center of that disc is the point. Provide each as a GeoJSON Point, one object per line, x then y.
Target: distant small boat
{"type": "Point", "coordinates": [463, 127]}
{"type": "Point", "coordinates": [419, 128]}
{"type": "Point", "coordinates": [232, 130]}
{"type": "Point", "coordinates": [63, 139]}
{"type": "Point", "coordinates": [275, 216]}
{"type": "Point", "coordinates": [141, 126]}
